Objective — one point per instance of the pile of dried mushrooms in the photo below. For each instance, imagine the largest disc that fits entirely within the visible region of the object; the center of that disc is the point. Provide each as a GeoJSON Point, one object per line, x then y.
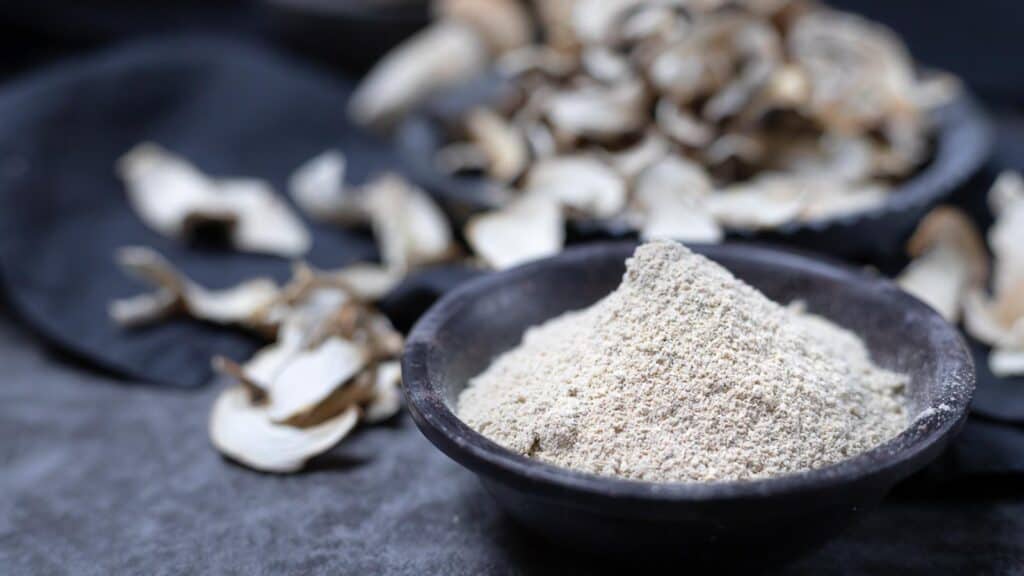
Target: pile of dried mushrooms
{"type": "Point", "coordinates": [678, 118]}
{"type": "Point", "coordinates": [332, 358]}
{"type": "Point", "coordinates": [952, 273]}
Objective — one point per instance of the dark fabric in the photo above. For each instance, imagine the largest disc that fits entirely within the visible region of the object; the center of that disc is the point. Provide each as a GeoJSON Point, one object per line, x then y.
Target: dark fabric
{"type": "Point", "coordinates": [232, 109]}
{"type": "Point", "coordinates": [100, 479]}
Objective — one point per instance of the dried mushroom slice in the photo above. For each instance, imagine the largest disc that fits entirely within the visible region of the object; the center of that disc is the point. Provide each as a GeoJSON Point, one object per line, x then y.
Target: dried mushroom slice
{"type": "Point", "coordinates": [834, 199]}
{"type": "Point", "coordinates": [175, 199]}
{"type": "Point", "coordinates": [840, 159]}
{"type": "Point", "coordinates": [766, 202]}
{"type": "Point", "coordinates": [387, 394]}
{"type": "Point", "coordinates": [670, 195]}
{"type": "Point", "coordinates": [460, 158]}
{"type": "Point", "coordinates": [607, 65]}
{"type": "Point", "coordinates": [367, 282]}
{"type": "Point", "coordinates": [682, 126]}
{"type": "Point", "coordinates": [1006, 362]}
{"type": "Point", "coordinates": [265, 224]}
{"type": "Point", "coordinates": [581, 183]}
{"type": "Point", "coordinates": [536, 60]}
{"type": "Point", "coordinates": [410, 228]}
{"type": "Point", "coordinates": [998, 320]}
{"type": "Point", "coordinates": [169, 194]}
{"type": "Point", "coordinates": [242, 430]}
{"type": "Point", "coordinates": [503, 24]}
{"type": "Point", "coordinates": [596, 112]}
{"type": "Point", "coordinates": [1006, 237]}
{"type": "Point", "coordinates": [318, 187]}
{"type": "Point", "coordinates": [594, 21]}
{"type": "Point", "coordinates": [311, 376]}
{"type": "Point", "coordinates": [859, 71]}
{"type": "Point", "coordinates": [717, 50]}
{"type": "Point", "coordinates": [238, 305]}
{"type": "Point", "coordinates": [503, 144]}
{"type": "Point", "coordinates": [442, 55]}
{"type": "Point", "coordinates": [530, 227]}
{"type": "Point", "coordinates": [949, 261]}
{"type": "Point", "coordinates": [631, 161]}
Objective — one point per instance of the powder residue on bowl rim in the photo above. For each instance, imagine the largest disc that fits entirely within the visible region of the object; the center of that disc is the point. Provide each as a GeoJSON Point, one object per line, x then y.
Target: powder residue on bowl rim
{"type": "Point", "coordinates": [685, 373]}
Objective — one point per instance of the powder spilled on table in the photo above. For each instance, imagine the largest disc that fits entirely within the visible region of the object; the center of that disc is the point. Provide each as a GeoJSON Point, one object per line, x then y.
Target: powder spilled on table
{"type": "Point", "coordinates": [685, 373]}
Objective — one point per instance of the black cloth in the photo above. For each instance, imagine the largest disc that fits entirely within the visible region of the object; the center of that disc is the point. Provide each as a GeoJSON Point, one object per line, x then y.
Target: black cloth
{"type": "Point", "coordinates": [232, 109]}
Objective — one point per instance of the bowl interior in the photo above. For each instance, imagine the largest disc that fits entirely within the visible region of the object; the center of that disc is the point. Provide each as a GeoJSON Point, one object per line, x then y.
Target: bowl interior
{"type": "Point", "coordinates": [892, 331]}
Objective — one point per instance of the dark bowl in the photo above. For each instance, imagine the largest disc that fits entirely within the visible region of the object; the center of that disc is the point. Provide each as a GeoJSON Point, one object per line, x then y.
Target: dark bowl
{"type": "Point", "coordinates": [962, 142]}
{"type": "Point", "coordinates": [724, 523]}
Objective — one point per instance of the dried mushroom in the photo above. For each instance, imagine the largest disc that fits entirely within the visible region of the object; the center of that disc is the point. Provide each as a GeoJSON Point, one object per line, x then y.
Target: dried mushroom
{"type": "Point", "coordinates": [949, 260]}
{"type": "Point", "coordinates": [671, 196]}
{"type": "Point", "coordinates": [796, 112]}
{"type": "Point", "coordinates": [332, 364]}
{"type": "Point", "coordinates": [998, 319]}
{"type": "Point", "coordinates": [174, 198]}
{"type": "Point", "coordinates": [529, 228]}
{"type": "Point", "coordinates": [410, 228]}
{"type": "Point", "coordinates": [387, 393]}
{"type": "Point", "coordinates": [583, 184]}
{"type": "Point", "coordinates": [444, 54]}
{"type": "Point", "coordinates": [503, 144]}
{"type": "Point", "coordinates": [318, 187]}
{"type": "Point", "coordinates": [241, 430]}
{"type": "Point", "coordinates": [174, 293]}
{"type": "Point", "coordinates": [459, 45]}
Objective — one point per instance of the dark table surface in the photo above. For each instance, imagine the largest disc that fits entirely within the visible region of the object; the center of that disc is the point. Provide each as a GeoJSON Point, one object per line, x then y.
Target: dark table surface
{"type": "Point", "coordinates": [103, 478]}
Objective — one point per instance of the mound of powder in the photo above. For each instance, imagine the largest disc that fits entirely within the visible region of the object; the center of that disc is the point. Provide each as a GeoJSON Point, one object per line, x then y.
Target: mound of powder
{"type": "Point", "coordinates": [685, 373]}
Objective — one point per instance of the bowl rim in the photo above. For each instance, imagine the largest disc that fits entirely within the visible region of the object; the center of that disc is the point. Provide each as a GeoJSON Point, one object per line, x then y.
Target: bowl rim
{"type": "Point", "coordinates": [928, 431]}
{"type": "Point", "coordinates": [963, 140]}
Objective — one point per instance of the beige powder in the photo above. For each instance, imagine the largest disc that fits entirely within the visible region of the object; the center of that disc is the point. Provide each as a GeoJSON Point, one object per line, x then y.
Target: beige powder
{"type": "Point", "coordinates": [685, 373]}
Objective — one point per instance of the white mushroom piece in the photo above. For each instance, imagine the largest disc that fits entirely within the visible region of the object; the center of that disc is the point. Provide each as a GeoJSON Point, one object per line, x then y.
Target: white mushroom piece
{"type": "Point", "coordinates": [333, 364]}
{"type": "Point", "coordinates": [238, 305]}
{"type": "Point", "coordinates": [503, 144]}
{"type": "Point", "coordinates": [456, 47]}
{"type": "Point", "coordinates": [318, 187]}
{"type": "Point", "coordinates": [596, 112]}
{"type": "Point", "coordinates": [998, 319]}
{"type": "Point", "coordinates": [765, 202]}
{"type": "Point", "coordinates": [671, 195]}
{"type": "Point", "coordinates": [949, 261]}
{"type": "Point", "coordinates": [580, 183]}
{"type": "Point", "coordinates": [175, 199]}
{"type": "Point", "coordinates": [387, 394]}
{"type": "Point", "coordinates": [241, 429]}
{"type": "Point", "coordinates": [410, 228]}
{"type": "Point", "coordinates": [529, 228]}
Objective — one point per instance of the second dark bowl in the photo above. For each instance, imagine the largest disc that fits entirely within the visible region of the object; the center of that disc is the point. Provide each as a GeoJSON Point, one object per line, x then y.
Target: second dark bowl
{"type": "Point", "coordinates": [754, 523]}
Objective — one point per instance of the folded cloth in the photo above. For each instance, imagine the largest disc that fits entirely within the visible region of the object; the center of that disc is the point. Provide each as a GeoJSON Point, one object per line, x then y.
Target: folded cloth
{"type": "Point", "coordinates": [232, 109]}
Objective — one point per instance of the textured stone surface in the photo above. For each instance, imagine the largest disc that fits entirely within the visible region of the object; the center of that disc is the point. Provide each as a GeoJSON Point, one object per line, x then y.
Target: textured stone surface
{"type": "Point", "coordinates": [102, 478]}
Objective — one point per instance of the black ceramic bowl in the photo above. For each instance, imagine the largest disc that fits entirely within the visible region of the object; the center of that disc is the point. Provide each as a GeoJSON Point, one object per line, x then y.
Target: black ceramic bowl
{"type": "Point", "coordinates": [724, 523]}
{"type": "Point", "coordinates": [962, 143]}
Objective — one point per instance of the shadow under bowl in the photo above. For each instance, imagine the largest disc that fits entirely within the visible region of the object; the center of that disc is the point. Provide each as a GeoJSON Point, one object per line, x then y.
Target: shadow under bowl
{"type": "Point", "coordinates": [963, 138]}
{"type": "Point", "coordinates": [729, 524]}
